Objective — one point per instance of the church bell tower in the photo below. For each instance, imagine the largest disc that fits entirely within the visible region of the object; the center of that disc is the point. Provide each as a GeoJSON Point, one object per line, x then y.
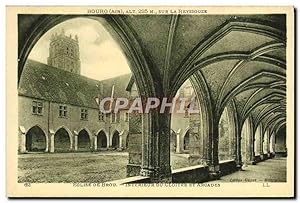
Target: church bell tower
{"type": "Point", "coordinates": [64, 52]}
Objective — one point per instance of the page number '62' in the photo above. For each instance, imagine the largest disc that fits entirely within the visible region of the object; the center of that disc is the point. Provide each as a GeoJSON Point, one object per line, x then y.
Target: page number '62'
{"type": "Point", "coordinates": [27, 184]}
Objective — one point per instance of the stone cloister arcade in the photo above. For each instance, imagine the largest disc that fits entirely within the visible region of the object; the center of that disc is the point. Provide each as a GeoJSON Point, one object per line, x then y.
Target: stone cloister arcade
{"type": "Point", "coordinates": [236, 64]}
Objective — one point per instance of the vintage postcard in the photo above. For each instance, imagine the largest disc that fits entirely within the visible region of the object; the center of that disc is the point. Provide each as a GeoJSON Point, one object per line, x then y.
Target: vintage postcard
{"type": "Point", "coordinates": [148, 102]}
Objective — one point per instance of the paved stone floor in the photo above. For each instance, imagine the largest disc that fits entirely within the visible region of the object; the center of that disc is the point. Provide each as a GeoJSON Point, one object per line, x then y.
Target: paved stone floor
{"type": "Point", "coordinates": [271, 170]}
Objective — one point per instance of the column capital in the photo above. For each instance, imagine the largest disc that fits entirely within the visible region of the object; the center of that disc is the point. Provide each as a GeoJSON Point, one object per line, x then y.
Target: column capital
{"type": "Point", "coordinates": [51, 132]}
{"type": "Point", "coordinates": [22, 130]}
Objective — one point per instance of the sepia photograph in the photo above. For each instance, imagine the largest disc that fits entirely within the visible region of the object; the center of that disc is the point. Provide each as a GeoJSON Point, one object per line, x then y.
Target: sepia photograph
{"type": "Point", "coordinates": [153, 101]}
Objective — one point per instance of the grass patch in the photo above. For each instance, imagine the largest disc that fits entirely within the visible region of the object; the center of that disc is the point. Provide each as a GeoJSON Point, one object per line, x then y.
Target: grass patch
{"type": "Point", "coordinates": [78, 167]}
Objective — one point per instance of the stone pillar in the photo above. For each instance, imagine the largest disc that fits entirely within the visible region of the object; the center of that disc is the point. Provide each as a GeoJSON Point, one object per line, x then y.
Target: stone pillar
{"type": "Point", "coordinates": [108, 141]}
{"type": "Point", "coordinates": [213, 152]}
{"type": "Point", "coordinates": [272, 145]}
{"type": "Point", "coordinates": [23, 143]}
{"type": "Point", "coordinates": [245, 143]}
{"type": "Point", "coordinates": [178, 143]}
{"type": "Point", "coordinates": [120, 142]}
{"type": "Point", "coordinates": [233, 144]}
{"type": "Point", "coordinates": [75, 142]}
{"type": "Point", "coordinates": [267, 143]}
{"type": "Point", "coordinates": [197, 155]}
{"type": "Point", "coordinates": [47, 143]}
{"type": "Point", "coordinates": [110, 135]}
{"type": "Point", "coordinates": [261, 144]}
{"type": "Point", "coordinates": [238, 158]}
{"type": "Point", "coordinates": [71, 143]}
{"type": "Point", "coordinates": [251, 144]}
{"type": "Point", "coordinates": [134, 145]}
{"type": "Point", "coordinates": [51, 136]}
{"type": "Point", "coordinates": [248, 143]}
{"type": "Point", "coordinates": [95, 142]}
{"type": "Point", "coordinates": [156, 147]}
{"type": "Point", "coordinates": [22, 139]}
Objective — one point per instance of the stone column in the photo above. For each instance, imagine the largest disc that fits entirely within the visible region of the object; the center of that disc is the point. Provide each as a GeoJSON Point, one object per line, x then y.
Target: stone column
{"type": "Point", "coordinates": [233, 145]}
{"type": "Point", "coordinates": [272, 145]}
{"type": "Point", "coordinates": [251, 144]}
{"type": "Point", "coordinates": [213, 152]}
{"type": "Point", "coordinates": [261, 144]}
{"type": "Point", "coordinates": [95, 142]}
{"type": "Point", "coordinates": [156, 147]}
{"type": "Point", "coordinates": [134, 145]}
{"type": "Point", "coordinates": [76, 142]}
{"type": "Point", "coordinates": [71, 143]}
{"type": "Point", "coordinates": [22, 142]}
{"type": "Point", "coordinates": [120, 142]}
{"type": "Point", "coordinates": [197, 154]}
{"type": "Point", "coordinates": [267, 144]}
{"type": "Point", "coordinates": [47, 143]}
{"type": "Point", "coordinates": [248, 143]}
{"type": "Point", "coordinates": [178, 143]}
{"type": "Point", "coordinates": [51, 136]}
{"type": "Point", "coordinates": [110, 135]}
{"type": "Point", "coordinates": [238, 158]}
{"type": "Point", "coordinates": [107, 141]}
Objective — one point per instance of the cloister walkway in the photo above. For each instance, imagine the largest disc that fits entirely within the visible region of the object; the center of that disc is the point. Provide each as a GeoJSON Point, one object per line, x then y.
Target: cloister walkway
{"type": "Point", "coordinates": [271, 170]}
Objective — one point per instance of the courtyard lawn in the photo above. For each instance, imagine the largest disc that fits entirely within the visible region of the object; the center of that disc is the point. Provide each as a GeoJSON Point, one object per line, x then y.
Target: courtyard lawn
{"type": "Point", "coordinates": [79, 167]}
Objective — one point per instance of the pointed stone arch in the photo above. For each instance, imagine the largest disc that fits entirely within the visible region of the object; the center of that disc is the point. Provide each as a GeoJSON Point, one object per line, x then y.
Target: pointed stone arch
{"type": "Point", "coordinates": [63, 139]}
{"type": "Point", "coordinates": [102, 139]}
{"type": "Point", "coordinates": [36, 139]}
{"type": "Point", "coordinates": [84, 140]}
{"type": "Point", "coordinates": [115, 139]}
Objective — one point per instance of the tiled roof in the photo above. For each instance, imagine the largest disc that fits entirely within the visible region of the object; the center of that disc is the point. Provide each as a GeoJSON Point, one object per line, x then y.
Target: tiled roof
{"type": "Point", "coordinates": [48, 83]}
{"type": "Point", "coordinates": [120, 84]}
